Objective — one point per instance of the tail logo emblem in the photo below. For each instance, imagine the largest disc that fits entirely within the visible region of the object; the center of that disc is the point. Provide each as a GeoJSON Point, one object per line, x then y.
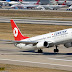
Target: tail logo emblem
{"type": "Point", "coordinates": [15, 32]}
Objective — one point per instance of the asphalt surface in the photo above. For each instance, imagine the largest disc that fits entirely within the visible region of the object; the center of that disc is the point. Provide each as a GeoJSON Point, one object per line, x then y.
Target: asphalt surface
{"type": "Point", "coordinates": [31, 21]}
{"type": "Point", "coordinates": [48, 59]}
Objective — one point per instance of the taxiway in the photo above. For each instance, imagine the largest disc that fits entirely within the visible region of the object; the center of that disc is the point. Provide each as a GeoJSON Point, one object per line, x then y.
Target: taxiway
{"type": "Point", "coordinates": [34, 21]}
{"type": "Point", "coordinates": [48, 59]}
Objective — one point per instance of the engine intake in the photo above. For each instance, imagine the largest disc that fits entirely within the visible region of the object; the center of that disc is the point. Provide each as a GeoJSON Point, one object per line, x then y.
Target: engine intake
{"type": "Point", "coordinates": [46, 44]}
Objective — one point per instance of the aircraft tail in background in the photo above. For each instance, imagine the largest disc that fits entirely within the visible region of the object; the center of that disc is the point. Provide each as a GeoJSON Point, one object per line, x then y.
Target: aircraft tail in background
{"type": "Point", "coordinates": [37, 2]}
{"type": "Point", "coordinates": [64, 3]}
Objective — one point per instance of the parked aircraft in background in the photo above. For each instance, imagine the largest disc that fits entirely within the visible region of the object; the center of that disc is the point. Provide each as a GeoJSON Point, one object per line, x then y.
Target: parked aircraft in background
{"type": "Point", "coordinates": [23, 2]}
{"type": "Point", "coordinates": [22, 6]}
{"type": "Point", "coordinates": [68, 3]}
{"type": "Point", "coordinates": [70, 8]}
{"type": "Point", "coordinates": [51, 7]}
{"type": "Point", "coordinates": [37, 6]}
{"type": "Point", "coordinates": [42, 41]}
{"type": "Point", "coordinates": [29, 2]}
{"type": "Point", "coordinates": [13, 2]}
{"type": "Point", "coordinates": [8, 2]}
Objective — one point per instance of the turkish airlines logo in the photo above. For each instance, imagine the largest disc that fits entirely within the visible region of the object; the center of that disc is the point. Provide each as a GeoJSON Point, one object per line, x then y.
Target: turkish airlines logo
{"type": "Point", "coordinates": [15, 32]}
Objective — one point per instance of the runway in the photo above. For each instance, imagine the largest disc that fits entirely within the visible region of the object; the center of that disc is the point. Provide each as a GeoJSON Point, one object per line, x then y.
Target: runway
{"type": "Point", "coordinates": [12, 55]}
{"type": "Point", "coordinates": [33, 21]}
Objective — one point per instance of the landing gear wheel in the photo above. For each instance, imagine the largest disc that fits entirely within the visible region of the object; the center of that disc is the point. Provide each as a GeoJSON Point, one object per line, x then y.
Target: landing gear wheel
{"type": "Point", "coordinates": [56, 50]}
{"type": "Point", "coordinates": [40, 51]}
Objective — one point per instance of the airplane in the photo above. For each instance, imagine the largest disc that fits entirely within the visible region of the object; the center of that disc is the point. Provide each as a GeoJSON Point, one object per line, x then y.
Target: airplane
{"type": "Point", "coordinates": [22, 6]}
{"type": "Point", "coordinates": [29, 2]}
{"type": "Point", "coordinates": [24, 3]}
{"type": "Point", "coordinates": [8, 2]}
{"type": "Point", "coordinates": [68, 3]}
{"type": "Point", "coordinates": [16, 2]}
{"type": "Point", "coordinates": [41, 41]}
{"type": "Point", "coordinates": [51, 7]}
{"type": "Point", "coordinates": [70, 8]}
{"type": "Point", "coordinates": [13, 2]}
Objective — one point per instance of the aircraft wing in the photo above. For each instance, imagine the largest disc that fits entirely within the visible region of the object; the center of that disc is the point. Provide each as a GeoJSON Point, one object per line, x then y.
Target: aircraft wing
{"type": "Point", "coordinates": [13, 42]}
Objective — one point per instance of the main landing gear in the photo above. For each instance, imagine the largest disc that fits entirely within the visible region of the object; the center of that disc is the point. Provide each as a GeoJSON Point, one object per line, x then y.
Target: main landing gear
{"type": "Point", "coordinates": [40, 51]}
{"type": "Point", "coordinates": [56, 50]}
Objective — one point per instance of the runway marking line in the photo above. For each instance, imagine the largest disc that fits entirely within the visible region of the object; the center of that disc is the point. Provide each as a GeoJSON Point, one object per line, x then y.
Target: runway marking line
{"type": "Point", "coordinates": [36, 62]}
{"type": "Point", "coordinates": [59, 59]}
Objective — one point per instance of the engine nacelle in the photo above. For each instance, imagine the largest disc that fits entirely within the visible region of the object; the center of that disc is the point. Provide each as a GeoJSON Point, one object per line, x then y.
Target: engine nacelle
{"type": "Point", "coordinates": [44, 44]}
{"type": "Point", "coordinates": [67, 45]}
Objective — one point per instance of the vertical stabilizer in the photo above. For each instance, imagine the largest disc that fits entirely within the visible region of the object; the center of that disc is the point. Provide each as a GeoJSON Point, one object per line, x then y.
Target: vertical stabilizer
{"type": "Point", "coordinates": [64, 3]}
{"type": "Point", "coordinates": [37, 2]}
{"type": "Point", "coordinates": [16, 32]}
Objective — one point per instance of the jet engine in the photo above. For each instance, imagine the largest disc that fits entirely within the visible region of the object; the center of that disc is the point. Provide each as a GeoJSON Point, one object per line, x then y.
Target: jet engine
{"type": "Point", "coordinates": [67, 45]}
{"type": "Point", "coordinates": [45, 44]}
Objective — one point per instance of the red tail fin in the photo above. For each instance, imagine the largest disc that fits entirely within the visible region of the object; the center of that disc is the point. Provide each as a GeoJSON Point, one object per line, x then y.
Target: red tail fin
{"type": "Point", "coordinates": [37, 2]}
{"type": "Point", "coordinates": [56, 0]}
{"type": "Point", "coordinates": [64, 3]}
{"type": "Point", "coordinates": [20, 0]}
{"type": "Point", "coordinates": [16, 32]}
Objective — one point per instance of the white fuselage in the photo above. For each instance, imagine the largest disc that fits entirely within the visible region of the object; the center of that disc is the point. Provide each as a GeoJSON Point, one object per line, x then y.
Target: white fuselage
{"type": "Point", "coordinates": [52, 7]}
{"type": "Point", "coordinates": [70, 7]}
{"type": "Point", "coordinates": [58, 37]}
{"type": "Point", "coordinates": [22, 6]}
